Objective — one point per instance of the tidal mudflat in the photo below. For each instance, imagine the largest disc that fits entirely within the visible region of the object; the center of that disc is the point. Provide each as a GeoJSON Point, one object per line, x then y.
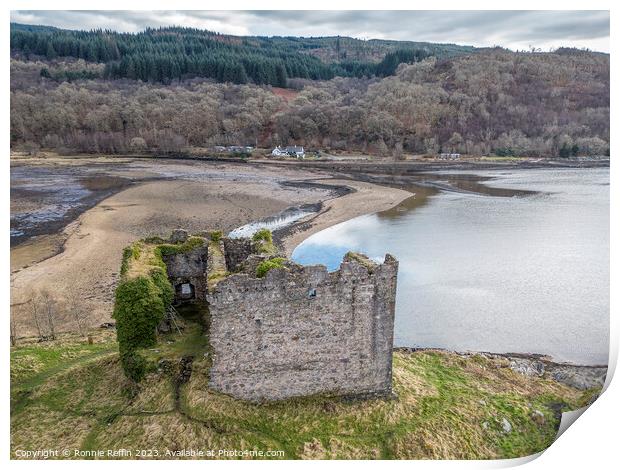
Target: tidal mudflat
{"type": "Point", "coordinates": [82, 257]}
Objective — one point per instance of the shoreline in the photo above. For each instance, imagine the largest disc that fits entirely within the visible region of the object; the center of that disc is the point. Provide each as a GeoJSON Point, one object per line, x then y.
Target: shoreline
{"type": "Point", "coordinates": [580, 376]}
{"type": "Point", "coordinates": [362, 198]}
{"type": "Point", "coordinates": [85, 259]}
{"type": "Point", "coordinates": [339, 198]}
{"type": "Point", "coordinates": [412, 167]}
{"type": "Point", "coordinates": [392, 174]}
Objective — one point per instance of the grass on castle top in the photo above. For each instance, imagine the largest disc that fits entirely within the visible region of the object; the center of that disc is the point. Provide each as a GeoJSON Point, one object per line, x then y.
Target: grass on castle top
{"type": "Point", "coordinates": [70, 394]}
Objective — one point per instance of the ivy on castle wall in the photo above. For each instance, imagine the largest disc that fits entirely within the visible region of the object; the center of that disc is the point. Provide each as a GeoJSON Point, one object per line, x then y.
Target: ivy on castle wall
{"type": "Point", "coordinates": [141, 300]}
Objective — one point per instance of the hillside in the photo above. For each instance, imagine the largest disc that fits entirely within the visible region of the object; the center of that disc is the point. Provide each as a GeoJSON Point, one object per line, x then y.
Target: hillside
{"type": "Point", "coordinates": [70, 394]}
{"type": "Point", "coordinates": [493, 102]}
{"type": "Point", "coordinates": [102, 91]}
{"type": "Point", "coordinates": [172, 53]}
{"type": "Point", "coordinates": [342, 49]}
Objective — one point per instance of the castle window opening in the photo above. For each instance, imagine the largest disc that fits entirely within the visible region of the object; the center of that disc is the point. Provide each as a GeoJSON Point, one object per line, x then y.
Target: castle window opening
{"type": "Point", "coordinates": [185, 291]}
{"type": "Point", "coordinates": [311, 293]}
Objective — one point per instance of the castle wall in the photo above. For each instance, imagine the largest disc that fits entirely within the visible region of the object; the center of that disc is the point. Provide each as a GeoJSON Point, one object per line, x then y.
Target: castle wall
{"type": "Point", "coordinates": [189, 267]}
{"type": "Point", "coordinates": [304, 331]}
{"type": "Point", "coordinates": [236, 251]}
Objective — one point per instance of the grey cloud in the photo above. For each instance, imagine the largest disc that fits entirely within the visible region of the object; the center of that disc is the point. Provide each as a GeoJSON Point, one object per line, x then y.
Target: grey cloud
{"type": "Point", "coordinates": [511, 29]}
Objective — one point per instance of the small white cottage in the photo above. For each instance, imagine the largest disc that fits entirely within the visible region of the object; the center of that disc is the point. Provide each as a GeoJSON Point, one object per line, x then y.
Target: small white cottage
{"type": "Point", "coordinates": [293, 151]}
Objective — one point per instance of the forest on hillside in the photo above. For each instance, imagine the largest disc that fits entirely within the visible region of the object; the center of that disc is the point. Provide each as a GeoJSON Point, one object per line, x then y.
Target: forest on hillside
{"type": "Point", "coordinates": [491, 101]}
{"type": "Point", "coordinates": [173, 53]}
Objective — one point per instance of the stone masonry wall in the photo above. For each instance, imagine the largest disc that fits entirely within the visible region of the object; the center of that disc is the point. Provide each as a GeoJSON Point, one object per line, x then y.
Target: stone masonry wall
{"type": "Point", "coordinates": [189, 267]}
{"type": "Point", "coordinates": [304, 331]}
{"type": "Point", "coordinates": [236, 251]}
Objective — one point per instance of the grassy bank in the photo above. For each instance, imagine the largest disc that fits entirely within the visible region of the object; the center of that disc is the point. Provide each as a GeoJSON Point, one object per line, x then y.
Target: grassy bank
{"type": "Point", "coordinates": [71, 394]}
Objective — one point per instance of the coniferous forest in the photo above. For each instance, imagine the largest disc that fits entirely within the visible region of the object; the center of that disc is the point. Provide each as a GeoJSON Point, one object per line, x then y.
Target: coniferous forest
{"type": "Point", "coordinates": [165, 54]}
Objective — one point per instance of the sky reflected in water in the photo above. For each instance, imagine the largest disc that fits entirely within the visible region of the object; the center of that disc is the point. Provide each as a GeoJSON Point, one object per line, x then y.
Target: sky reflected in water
{"type": "Point", "coordinates": [528, 273]}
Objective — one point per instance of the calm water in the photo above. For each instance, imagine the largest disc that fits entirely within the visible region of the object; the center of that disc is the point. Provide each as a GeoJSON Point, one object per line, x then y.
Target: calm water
{"type": "Point", "coordinates": [503, 274]}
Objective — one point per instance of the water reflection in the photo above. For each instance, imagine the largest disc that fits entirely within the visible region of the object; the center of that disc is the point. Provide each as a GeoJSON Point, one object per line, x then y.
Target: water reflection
{"type": "Point", "coordinates": [470, 183]}
{"type": "Point", "coordinates": [420, 197]}
{"type": "Point", "coordinates": [495, 273]}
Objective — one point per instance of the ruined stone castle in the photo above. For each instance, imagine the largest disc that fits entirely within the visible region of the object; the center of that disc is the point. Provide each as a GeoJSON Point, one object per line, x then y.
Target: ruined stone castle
{"type": "Point", "coordinates": [292, 330]}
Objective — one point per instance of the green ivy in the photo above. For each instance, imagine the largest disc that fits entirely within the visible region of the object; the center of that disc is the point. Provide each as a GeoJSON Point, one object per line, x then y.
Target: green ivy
{"type": "Point", "coordinates": [140, 305]}
{"type": "Point", "coordinates": [125, 262]}
{"type": "Point", "coordinates": [138, 309]}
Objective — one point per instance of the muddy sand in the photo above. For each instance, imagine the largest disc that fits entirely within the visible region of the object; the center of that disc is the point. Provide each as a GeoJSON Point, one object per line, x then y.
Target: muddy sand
{"type": "Point", "coordinates": [164, 196]}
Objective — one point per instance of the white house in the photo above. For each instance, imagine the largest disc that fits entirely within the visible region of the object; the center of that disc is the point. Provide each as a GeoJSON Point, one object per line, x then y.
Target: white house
{"type": "Point", "coordinates": [293, 151]}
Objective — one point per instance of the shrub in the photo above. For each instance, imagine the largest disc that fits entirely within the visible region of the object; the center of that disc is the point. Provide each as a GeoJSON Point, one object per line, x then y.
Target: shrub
{"type": "Point", "coordinates": [565, 151]}
{"type": "Point", "coordinates": [138, 309]}
{"type": "Point", "coordinates": [264, 241]}
{"type": "Point", "coordinates": [263, 234]}
{"type": "Point", "coordinates": [137, 144]}
{"type": "Point", "coordinates": [274, 263]}
{"type": "Point", "coordinates": [134, 365]}
{"type": "Point", "coordinates": [505, 152]}
{"type": "Point", "coordinates": [216, 235]}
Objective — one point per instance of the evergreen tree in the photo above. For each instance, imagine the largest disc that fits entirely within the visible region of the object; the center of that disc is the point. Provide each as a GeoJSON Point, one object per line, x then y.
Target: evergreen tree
{"type": "Point", "coordinates": [565, 151]}
{"type": "Point", "coordinates": [164, 54]}
{"type": "Point", "coordinates": [281, 76]}
{"type": "Point", "coordinates": [50, 52]}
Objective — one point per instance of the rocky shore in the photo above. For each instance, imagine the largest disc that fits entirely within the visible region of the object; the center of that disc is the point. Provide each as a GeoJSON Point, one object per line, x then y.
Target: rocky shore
{"type": "Point", "coordinates": [581, 377]}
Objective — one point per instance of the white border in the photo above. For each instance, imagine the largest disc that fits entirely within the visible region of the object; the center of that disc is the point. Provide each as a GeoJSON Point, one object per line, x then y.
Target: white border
{"type": "Point", "coordinates": [592, 442]}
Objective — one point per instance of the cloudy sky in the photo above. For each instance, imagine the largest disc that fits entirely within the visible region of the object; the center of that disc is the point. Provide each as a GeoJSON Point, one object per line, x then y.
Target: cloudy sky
{"type": "Point", "coordinates": [512, 29]}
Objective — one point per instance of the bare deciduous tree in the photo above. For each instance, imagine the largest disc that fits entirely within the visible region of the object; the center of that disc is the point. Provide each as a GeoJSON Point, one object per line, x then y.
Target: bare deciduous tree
{"type": "Point", "coordinates": [35, 311]}
{"type": "Point", "coordinates": [48, 305]}
{"type": "Point", "coordinates": [495, 101]}
{"type": "Point", "coordinates": [13, 331]}
{"type": "Point", "coordinates": [77, 309]}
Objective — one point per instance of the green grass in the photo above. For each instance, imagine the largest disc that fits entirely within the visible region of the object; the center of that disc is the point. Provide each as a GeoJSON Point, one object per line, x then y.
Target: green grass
{"type": "Point", "coordinates": [265, 266]}
{"type": "Point", "coordinates": [447, 407]}
{"type": "Point", "coordinates": [192, 243]}
{"type": "Point", "coordinates": [361, 259]}
{"type": "Point", "coordinates": [29, 361]}
{"type": "Point", "coordinates": [217, 270]}
{"type": "Point", "coordinates": [32, 364]}
{"type": "Point", "coordinates": [264, 241]}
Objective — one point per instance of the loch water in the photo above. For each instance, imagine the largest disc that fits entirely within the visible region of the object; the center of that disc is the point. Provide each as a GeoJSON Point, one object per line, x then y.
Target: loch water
{"type": "Point", "coordinates": [521, 266]}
